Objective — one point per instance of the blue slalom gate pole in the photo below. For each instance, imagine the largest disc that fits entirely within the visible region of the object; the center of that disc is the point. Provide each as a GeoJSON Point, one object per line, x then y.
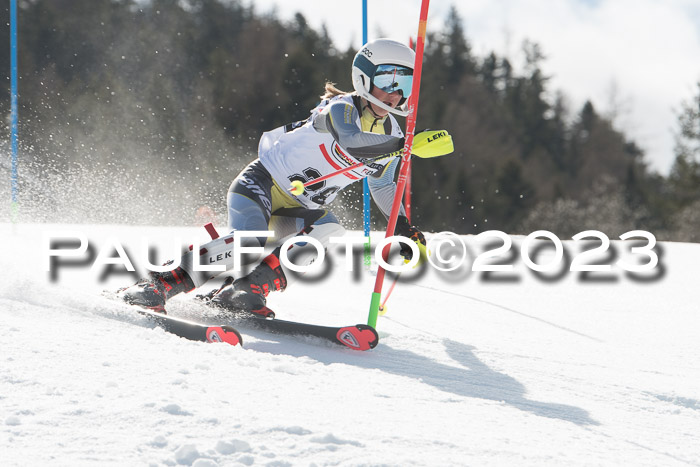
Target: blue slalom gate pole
{"type": "Point", "coordinates": [13, 99]}
{"type": "Point", "coordinates": [365, 184]}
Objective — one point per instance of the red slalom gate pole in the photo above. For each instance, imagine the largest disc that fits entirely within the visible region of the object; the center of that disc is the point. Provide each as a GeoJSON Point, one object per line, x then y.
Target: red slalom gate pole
{"type": "Point", "coordinates": [407, 194]}
{"type": "Point", "coordinates": [403, 172]}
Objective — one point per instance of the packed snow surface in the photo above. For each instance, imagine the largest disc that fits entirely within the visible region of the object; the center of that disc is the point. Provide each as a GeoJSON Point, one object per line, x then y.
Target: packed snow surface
{"type": "Point", "coordinates": [505, 368]}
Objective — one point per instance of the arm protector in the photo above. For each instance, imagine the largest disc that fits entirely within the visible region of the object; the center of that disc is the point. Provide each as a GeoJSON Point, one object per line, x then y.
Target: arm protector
{"type": "Point", "coordinates": [339, 120]}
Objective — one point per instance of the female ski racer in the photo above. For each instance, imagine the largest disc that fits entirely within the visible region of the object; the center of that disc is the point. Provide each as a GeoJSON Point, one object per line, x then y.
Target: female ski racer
{"type": "Point", "coordinates": [344, 129]}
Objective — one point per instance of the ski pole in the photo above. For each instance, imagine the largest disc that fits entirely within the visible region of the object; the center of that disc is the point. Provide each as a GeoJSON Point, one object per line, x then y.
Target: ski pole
{"type": "Point", "coordinates": [408, 145]}
{"type": "Point", "coordinates": [440, 144]}
{"type": "Point", "coordinates": [298, 186]}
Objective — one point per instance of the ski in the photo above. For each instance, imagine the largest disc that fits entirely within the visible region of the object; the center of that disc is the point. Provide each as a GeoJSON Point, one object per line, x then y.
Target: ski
{"type": "Point", "coordinates": [357, 337]}
{"type": "Point", "coordinates": [194, 331]}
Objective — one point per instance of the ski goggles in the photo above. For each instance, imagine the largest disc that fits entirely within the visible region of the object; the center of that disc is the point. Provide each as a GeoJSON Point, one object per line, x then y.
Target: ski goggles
{"type": "Point", "coordinates": [392, 78]}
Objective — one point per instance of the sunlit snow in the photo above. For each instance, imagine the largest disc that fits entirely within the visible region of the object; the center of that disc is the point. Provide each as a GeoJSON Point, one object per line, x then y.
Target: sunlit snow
{"type": "Point", "coordinates": [505, 368]}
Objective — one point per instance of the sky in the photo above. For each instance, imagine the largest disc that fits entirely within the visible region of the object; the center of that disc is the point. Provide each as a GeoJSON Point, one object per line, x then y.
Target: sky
{"type": "Point", "coordinates": [636, 60]}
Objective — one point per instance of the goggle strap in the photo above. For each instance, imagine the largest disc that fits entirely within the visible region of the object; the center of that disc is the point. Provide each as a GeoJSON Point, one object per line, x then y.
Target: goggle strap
{"type": "Point", "coordinates": [365, 65]}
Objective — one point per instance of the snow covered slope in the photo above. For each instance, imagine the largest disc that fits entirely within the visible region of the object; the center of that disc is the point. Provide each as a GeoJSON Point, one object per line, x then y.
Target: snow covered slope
{"type": "Point", "coordinates": [471, 369]}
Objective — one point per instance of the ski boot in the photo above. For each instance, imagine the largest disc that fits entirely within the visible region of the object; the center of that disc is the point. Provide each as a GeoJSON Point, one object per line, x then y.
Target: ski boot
{"type": "Point", "coordinates": [248, 294]}
{"type": "Point", "coordinates": [153, 292]}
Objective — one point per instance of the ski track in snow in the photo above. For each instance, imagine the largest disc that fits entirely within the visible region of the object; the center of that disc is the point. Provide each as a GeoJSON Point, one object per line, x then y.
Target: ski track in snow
{"type": "Point", "coordinates": [468, 371]}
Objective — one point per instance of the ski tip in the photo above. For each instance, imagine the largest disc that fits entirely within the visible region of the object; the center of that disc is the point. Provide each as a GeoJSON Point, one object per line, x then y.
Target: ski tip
{"type": "Point", "coordinates": [358, 337]}
{"type": "Point", "coordinates": [226, 334]}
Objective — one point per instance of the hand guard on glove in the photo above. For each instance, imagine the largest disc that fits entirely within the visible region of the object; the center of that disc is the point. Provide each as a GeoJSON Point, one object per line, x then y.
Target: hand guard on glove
{"type": "Point", "coordinates": [404, 229]}
{"type": "Point", "coordinates": [432, 143]}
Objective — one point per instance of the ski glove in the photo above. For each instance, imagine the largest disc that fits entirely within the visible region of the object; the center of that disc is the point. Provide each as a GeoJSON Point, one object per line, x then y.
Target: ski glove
{"type": "Point", "coordinates": [432, 143]}
{"type": "Point", "coordinates": [404, 229]}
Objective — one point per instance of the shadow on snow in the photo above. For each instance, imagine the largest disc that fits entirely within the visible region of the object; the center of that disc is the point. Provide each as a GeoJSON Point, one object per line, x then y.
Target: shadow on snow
{"type": "Point", "coordinates": [472, 379]}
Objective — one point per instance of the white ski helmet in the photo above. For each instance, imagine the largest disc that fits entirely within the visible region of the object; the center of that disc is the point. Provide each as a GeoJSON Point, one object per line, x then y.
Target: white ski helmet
{"type": "Point", "coordinates": [387, 64]}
